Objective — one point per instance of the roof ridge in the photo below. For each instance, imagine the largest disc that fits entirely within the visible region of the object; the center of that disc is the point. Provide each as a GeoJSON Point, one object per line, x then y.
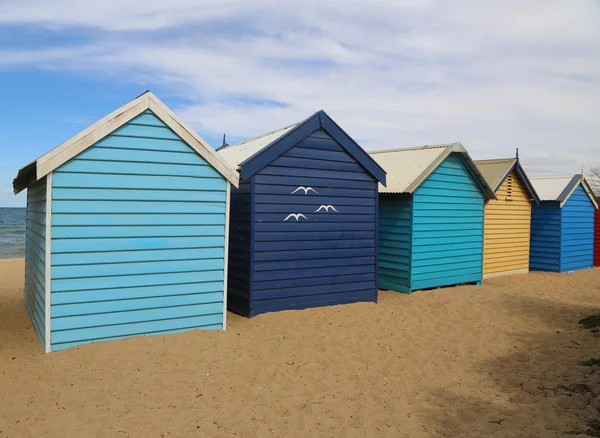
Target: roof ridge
{"type": "Point", "coordinates": [489, 160]}
{"type": "Point", "coordinates": [412, 148]}
{"type": "Point", "coordinates": [570, 175]}
{"type": "Point", "coordinates": [258, 136]}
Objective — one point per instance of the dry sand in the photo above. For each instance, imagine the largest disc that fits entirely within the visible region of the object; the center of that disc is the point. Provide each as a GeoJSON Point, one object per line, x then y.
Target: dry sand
{"type": "Point", "coordinates": [497, 360]}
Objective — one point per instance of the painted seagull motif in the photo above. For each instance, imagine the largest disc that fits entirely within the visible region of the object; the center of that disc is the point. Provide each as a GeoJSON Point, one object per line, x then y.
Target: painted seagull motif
{"type": "Point", "coordinates": [326, 208]}
{"type": "Point", "coordinates": [306, 190]}
{"type": "Point", "coordinates": [296, 216]}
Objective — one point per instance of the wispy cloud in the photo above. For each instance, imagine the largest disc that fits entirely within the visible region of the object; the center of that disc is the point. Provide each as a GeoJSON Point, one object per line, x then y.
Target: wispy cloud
{"type": "Point", "coordinates": [494, 75]}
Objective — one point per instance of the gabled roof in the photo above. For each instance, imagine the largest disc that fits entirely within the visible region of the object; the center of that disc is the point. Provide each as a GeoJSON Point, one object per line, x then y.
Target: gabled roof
{"type": "Point", "coordinates": [496, 171]}
{"type": "Point", "coordinates": [594, 182]}
{"type": "Point", "coordinates": [408, 168]}
{"type": "Point", "coordinates": [252, 155]}
{"type": "Point", "coordinates": [41, 167]}
{"type": "Point", "coordinates": [559, 188]}
{"type": "Point", "coordinates": [239, 152]}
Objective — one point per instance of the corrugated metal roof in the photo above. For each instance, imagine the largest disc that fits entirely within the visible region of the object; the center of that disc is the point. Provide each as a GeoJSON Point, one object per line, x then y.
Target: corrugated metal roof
{"type": "Point", "coordinates": [555, 188]}
{"type": "Point", "coordinates": [240, 152]}
{"type": "Point", "coordinates": [495, 171]}
{"type": "Point", "coordinates": [594, 183]}
{"type": "Point", "coordinates": [407, 168]}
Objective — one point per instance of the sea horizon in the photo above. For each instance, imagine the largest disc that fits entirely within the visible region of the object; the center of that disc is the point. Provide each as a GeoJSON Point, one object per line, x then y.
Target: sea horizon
{"type": "Point", "coordinates": [12, 232]}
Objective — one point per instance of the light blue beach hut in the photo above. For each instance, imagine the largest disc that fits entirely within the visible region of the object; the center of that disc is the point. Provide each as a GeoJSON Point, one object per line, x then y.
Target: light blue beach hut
{"type": "Point", "coordinates": [127, 227]}
{"type": "Point", "coordinates": [431, 216]}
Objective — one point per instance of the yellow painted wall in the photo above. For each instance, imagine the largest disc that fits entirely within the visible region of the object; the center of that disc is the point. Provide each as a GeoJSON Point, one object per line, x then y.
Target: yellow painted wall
{"type": "Point", "coordinates": [507, 228]}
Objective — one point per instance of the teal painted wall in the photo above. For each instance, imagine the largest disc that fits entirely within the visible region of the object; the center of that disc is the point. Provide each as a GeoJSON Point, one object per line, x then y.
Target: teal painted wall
{"type": "Point", "coordinates": [434, 237]}
{"type": "Point", "coordinates": [577, 232]}
{"type": "Point", "coordinates": [138, 234]}
{"type": "Point", "coordinates": [395, 239]}
{"type": "Point", "coordinates": [447, 228]}
{"type": "Point", "coordinates": [35, 258]}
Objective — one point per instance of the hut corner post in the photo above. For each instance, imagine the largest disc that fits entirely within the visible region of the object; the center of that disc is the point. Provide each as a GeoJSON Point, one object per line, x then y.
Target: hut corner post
{"type": "Point", "coordinates": [48, 265]}
{"type": "Point", "coordinates": [226, 261]}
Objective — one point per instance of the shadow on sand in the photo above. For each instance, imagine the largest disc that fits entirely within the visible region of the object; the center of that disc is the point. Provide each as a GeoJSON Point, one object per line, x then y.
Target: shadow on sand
{"type": "Point", "coordinates": [540, 388]}
{"type": "Point", "coordinates": [17, 335]}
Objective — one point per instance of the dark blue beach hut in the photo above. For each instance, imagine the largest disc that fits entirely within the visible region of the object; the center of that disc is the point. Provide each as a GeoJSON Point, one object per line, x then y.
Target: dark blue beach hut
{"type": "Point", "coordinates": [431, 217]}
{"type": "Point", "coordinates": [562, 225]}
{"type": "Point", "coordinates": [303, 221]}
{"type": "Point", "coordinates": [126, 230]}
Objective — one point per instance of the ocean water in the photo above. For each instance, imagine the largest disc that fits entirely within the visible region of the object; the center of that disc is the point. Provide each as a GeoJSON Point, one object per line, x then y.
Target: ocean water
{"type": "Point", "coordinates": [12, 232]}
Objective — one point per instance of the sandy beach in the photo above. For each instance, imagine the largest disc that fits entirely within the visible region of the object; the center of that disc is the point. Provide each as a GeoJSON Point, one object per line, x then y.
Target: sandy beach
{"type": "Point", "coordinates": [501, 360]}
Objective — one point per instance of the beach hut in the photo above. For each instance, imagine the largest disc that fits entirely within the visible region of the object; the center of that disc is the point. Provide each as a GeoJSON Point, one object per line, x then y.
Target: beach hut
{"type": "Point", "coordinates": [507, 225]}
{"type": "Point", "coordinates": [597, 237]}
{"type": "Point", "coordinates": [303, 221]}
{"type": "Point", "coordinates": [126, 230]}
{"type": "Point", "coordinates": [430, 218]}
{"type": "Point", "coordinates": [562, 226]}
{"type": "Point", "coordinates": [594, 182]}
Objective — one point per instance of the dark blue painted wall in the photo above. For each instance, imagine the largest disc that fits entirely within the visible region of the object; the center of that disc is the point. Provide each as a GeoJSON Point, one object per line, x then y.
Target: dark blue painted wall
{"type": "Point", "coordinates": [324, 257]}
{"type": "Point", "coordinates": [545, 237]}
{"type": "Point", "coordinates": [240, 221]}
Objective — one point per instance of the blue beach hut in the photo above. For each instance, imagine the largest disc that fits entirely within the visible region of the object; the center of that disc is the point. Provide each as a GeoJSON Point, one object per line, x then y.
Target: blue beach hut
{"type": "Point", "coordinates": [126, 230]}
{"type": "Point", "coordinates": [431, 216]}
{"type": "Point", "coordinates": [303, 221]}
{"type": "Point", "coordinates": [562, 225]}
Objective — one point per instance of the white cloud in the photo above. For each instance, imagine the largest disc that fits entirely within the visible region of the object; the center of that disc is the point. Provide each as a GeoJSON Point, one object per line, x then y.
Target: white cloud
{"type": "Point", "coordinates": [495, 75]}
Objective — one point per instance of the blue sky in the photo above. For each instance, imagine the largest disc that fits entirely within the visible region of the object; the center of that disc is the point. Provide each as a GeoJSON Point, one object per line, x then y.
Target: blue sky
{"type": "Point", "coordinates": [493, 75]}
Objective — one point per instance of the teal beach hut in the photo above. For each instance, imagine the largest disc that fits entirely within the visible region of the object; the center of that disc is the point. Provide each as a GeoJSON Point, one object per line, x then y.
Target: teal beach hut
{"type": "Point", "coordinates": [562, 225]}
{"type": "Point", "coordinates": [126, 230]}
{"type": "Point", "coordinates": [431, 216]}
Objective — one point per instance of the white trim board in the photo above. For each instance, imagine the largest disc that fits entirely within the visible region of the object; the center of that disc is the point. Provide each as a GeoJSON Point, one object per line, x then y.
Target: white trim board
{"type": "Point", "coordinates": [48, 264]}
{"type": "Point", "coordinates": [226, 270]}
{"type": "Point", "coordinates": [103, 127]}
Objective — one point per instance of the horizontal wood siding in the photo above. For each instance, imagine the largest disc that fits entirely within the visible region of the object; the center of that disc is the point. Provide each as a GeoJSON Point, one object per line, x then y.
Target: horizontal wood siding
{"type": "Point", "coordinates": [597, 238]}
{"type": "Point", "coordinates": [545, 237]}
{"type": "Point", "coordinates": [138, 235]}
{"type": "Point", "coordinates": [577, 234]}
{"type": "Point", "coordinates": [35, 258]}
{"type": "Point", "coordinates": [327, 258]}
{"type": "Point", "coordinates": [395, 238]}
{"type": "Point", "coordinates": [507, 228]}
{"type": "Point", "coordinates": [239, 279]}
{"type": "Point", "coordinates": [447, 228]}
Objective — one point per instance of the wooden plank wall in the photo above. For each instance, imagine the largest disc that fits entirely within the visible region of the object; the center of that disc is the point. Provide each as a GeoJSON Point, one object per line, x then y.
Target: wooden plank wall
{"type": "Point", "coordinates": [395, 239]}
{"type": "Point", "coordinates": [138, 234]}
{"type": "Point", "coordinates": [507, 228]}
{"type": "Point", "coordinates": [545, 237]}
{"type": "Point", "coordinates": [447, 228]}
{"type": "Point", "coordinates": [239, 278]}
{"type": "Point", "coordinates": [35, 258]}
{"type": "Point", "coordinates": [327, 256]}
{"type": "Point", "coordinates": [597, 238]}
{"type": "Point", "coordinates": [577, 233]}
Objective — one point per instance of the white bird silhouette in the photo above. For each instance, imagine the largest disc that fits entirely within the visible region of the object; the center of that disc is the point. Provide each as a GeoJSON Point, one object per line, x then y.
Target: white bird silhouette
{"type": "Point", "coordinates": [326, 208]}
{"type": "Point", "coordinates": [296, 216]}
{"type": "Point", "coordinates": [306, 190]}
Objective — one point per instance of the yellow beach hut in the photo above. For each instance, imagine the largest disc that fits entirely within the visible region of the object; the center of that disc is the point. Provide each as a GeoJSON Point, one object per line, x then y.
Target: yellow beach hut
{"type": "Point", "coordinates": [507, 219]}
